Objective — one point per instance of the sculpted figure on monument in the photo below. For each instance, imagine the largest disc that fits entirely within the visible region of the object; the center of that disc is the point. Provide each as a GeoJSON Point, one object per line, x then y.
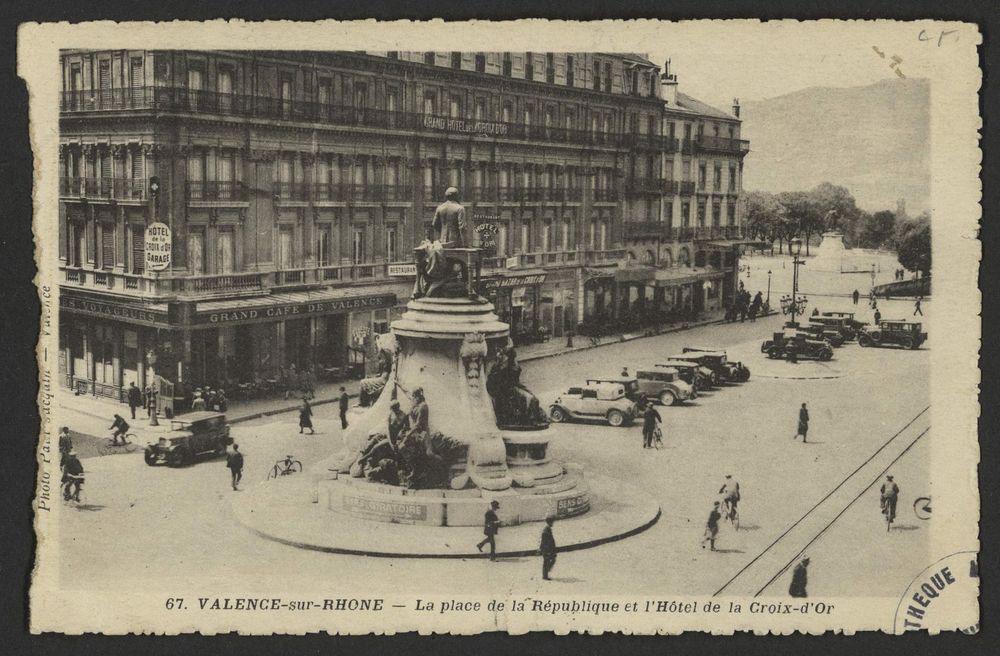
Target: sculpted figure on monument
{"type": "Point", "coordinates": [371, 387]}
{"type": "Point", "coordinates": [449, 220]}
{"type": "Point", "coordinates": [514, 405]}
{"type": "Point", "coordinates": [830, 220]}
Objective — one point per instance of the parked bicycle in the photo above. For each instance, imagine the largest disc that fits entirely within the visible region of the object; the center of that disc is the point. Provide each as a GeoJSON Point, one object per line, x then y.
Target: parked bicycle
{"type": "Point", "coordinates": [285, 467]}
{"type": "Point", "coordinates": [109, 446]}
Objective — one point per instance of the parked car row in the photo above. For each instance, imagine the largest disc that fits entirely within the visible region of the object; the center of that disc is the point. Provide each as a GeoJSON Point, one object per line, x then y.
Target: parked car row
{"type": "Point", "coordinates": [817, 338]}
{"type": "Point", "coordinates": [616, 399]}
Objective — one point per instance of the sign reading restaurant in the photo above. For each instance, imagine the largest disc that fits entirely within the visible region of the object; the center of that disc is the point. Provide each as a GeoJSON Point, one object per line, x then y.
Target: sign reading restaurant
{"type": "Point", "coordinates": [469, 127]}
{"type": "Point", "coordinates": [279, 311]}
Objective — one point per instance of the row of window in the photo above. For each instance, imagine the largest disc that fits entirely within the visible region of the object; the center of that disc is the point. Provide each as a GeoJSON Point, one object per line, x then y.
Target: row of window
{"type": "Point", "coordinates": [215, 252]}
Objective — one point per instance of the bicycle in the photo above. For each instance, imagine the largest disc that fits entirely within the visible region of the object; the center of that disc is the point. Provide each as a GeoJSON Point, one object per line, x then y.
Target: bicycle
{"type": "Point", "coordinates": [731, 514]}
{"type": "Point", "coordinates": [76, 482]}
{"type": "Point", "coordinates": [887, 511]}
{"type": "Point", "coordinates": [285, 467]}
{"type": "Point", "coordinates": [657, 438]}
{"type": "Point", "coordinates": [109, 446]}
{"type": "Point", "coordinates": [922, 508]}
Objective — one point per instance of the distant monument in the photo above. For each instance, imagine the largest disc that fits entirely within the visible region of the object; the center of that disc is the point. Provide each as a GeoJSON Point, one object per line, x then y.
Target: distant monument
{"type": "Point", "coordinates": [831, 251]}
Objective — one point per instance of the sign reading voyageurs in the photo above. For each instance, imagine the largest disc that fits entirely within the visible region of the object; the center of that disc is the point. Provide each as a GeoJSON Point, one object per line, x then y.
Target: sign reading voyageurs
{"type": "Point", "coordinates": [158, 245]}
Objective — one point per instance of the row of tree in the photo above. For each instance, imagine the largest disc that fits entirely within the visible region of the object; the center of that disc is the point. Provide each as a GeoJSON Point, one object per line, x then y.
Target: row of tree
{"type": "Point", "coordinates": [779, 218]}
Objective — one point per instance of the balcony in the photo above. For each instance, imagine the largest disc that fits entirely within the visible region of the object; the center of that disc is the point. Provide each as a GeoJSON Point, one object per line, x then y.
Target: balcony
{"type": "Point", "coordinates": [644, 186]}
{"type": "Point", "coordinates": [657, 142]}
{"type": "Point", "coordinates": [184, 100]}
{"type": "Point", "coordinates": [723, 145]}
{"type": "Point", "coordinates": [644, 229]}
{"type": "Point", "coordinates": [218, 191]}
{"type": "Point", "coordinates": [102, 188]}
{"type": "Point", "coordinates": [292, 191]}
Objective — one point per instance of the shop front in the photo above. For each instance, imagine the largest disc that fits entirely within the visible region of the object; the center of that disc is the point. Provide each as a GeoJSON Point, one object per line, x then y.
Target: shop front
{"type": "Point", "coordinates": [237, 343]}
{"type": "Point", "coordinates": [517, 300]}
{"type": "Point", "coordinates": [599, 293]}
{"type": "Point", "coordinates": [558, 302]}
{"type": "Point", "coordinates": [105, 345]}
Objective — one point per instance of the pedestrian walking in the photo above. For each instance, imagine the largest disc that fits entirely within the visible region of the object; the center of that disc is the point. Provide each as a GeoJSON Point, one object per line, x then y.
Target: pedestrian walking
{"type": "Point", "coordinates": [856, 295]}
{"type": "Point", "coordinates": [799, 579]}
{"type": "Point", "coordinates": [916, 307]}
{"type": "Point", "coordinates": [134, 398]}
{"type": "Point", "coordinates": [491, 526]}
{"type": "Point", "coordinates": [712, 526]}
{"type": "Point", "coordinates": [889, 497]}
{"type": "Point", "coordinates": [72, 477]}
{"type": "Point", "coordinates": [151, 405]}
{"type": "Point", "coordinates": [878, 317]}
{"type": "Point", "coordinates": [803, 428]}
{"type": "Point", "coordinates": [650, 419]}
{"type": "Point", "coordinates": [548, 548]}
{"type": "Point", "coordinates": [234, 461]}
{"type": "Point", "coordinates": [305, 416]}
{"type": "Point", "coordinates": [344, 400]}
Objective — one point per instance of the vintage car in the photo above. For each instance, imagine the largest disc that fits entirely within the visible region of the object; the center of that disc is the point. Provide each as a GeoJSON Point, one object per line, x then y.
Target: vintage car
{"type": "Point", "coordinates": [717, 358]}
{"type": "Point", "coordinates": [819, 331]}
{"type": "Point", "coordinates": [599, 401]}
{"type": "Point", "coordinates": [781, 345]}
{"type": "Point", "coordinates": [893, 332]}
{"type": "Point", "coordinates": [848, 317]}
{"type": "Point", "coordinates": [843, 325]}
{"type": "Point", "coordinates": [663, 385]}
{"type": "Point", "coordinates": [191, 436]}
{"type": "Point", "coordinates": [692, 373]}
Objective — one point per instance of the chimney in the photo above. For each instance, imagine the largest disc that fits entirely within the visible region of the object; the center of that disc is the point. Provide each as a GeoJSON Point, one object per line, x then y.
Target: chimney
{"type": "Point", "coordinates": [736, 107]}
{"type": "Point", "coordinates": [668, 82]}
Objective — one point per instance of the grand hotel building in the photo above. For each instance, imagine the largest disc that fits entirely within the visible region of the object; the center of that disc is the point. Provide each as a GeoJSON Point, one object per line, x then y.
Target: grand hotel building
{"type": "Point", "coordinates": [295, 185]}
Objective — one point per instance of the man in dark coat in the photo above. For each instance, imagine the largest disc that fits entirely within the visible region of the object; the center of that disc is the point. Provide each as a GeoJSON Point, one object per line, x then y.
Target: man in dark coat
{"type": "Point", "coordinates": [449, 220]}
{"type": "Point", "coordinates": [856, 295]}
{"type": "Point", "coordinates": [305, 416]}
{"type": "Point", "coordinates": [803, 428]}
{"type": "Point", "coordinates": [548, 548]}
{"type": "Point", "coordinates": [72, 477]}
{"type": "Point", "coordinates": [712, 526]}
{"type": "Point", "coordinates": [491, 526]}
{"type": "Point", "coordinates": [234, 461]}
{"type": "Point", "coordinates": [134, 398]}
{"type": "Point", "coordinates": [878, 317]}
{"type": "Point", "coordinates": [344, 400]}
{"type": "Point", "coordinates": [799, 579]}
{"type": "Point", "coordinates": [650, 418]}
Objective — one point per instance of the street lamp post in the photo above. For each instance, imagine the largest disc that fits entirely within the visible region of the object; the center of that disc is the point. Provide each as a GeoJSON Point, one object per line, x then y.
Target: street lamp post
{"type": "Point", "coordinates": [769, 287]}
{"type": "Point", "coordinates": [796, 251]}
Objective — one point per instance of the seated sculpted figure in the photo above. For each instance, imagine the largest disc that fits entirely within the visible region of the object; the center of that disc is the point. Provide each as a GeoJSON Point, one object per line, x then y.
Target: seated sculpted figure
{"type": "Point", "coordinates": [513, 403]}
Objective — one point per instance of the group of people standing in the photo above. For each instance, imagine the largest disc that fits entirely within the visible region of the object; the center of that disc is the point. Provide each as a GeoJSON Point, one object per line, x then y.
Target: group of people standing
{"type": "Point", "coordinates": [209, 399]}
{"type": "Point", "coordinates": [744, 306]}
{"type": "Point", "coordinates": [141, 398]}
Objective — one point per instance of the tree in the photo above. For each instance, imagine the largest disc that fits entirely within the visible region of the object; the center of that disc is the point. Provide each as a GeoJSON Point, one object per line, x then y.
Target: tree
{"type": "Point", "coordinates": [803, 213]}
{"type": "Point", "coordinates": [913, 244]}
{"type": "Point", "coordinates": [763, 215]}
{"type": "Point", "coordinates": [877, 230]}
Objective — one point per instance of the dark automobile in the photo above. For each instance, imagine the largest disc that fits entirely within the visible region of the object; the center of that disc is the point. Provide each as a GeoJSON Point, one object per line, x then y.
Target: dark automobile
{"type": "Point", "coordinates": [191, 436]}
{"type": "Point", "coordinates": [782, 345]}
{"type": "Point", "coordinates": [737, 372]}
{"type": "Point", "coordinates": [843, 325]}
{"type": "Point", "coordinates": [692, 373]}
{"type": "Point", "coordinates": [848, 318]}
{"type": "Point", "coordinates": [819, 331]}
{"type": "Point", "coordinates": [906, 334]}
{"type": "Point", "coordinates": [662, 385]}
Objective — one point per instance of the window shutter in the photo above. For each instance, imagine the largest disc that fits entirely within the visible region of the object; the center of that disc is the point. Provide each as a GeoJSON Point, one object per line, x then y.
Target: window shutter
{"type": "Point", "coordinates": [107, 245]}
{"type": "Point", "coordinates": [105, 74]}
{"type": "Point", "coordinates": [138, 249]}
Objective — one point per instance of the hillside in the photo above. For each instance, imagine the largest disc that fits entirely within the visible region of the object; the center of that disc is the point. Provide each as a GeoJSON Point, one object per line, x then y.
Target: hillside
{"type": "Point", "coordinates": [874, 140]}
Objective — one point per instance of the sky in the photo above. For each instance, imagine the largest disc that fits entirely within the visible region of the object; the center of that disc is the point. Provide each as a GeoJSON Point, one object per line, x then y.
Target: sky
{"type": "Point", "coordinates": [716, 62]}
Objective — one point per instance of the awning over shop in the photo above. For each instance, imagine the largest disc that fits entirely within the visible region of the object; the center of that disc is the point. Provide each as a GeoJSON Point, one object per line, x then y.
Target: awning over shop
{"type": "Point", "coordinates": [290, 305]}
{"type": "Point", "coordinates": [636, 273]}
{"type": "Point", "coordinates": [725, 244]}
{"type": "Point", "coordinates": [519, 278]}
{"type": "Point", "coordinates": [685, 276]}
{"type": "Point", "coordinates": [146, 314]}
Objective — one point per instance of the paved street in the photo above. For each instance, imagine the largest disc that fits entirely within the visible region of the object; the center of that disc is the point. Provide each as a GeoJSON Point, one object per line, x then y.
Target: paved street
{"type": "Point", "coordinates": [175, 528]}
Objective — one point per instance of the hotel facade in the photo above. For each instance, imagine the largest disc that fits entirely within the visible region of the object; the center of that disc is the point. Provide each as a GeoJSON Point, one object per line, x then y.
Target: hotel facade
{"type": "Point", "coordinates": [294, 186]}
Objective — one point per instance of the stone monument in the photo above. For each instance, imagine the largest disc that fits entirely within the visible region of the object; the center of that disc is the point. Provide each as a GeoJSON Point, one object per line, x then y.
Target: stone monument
{"type": "Point", "coordinates": [452, 426]}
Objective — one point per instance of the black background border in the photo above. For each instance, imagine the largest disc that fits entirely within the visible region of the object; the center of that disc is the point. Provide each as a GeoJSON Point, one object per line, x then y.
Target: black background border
{"type": "Point", "coordinates": [19, 328]}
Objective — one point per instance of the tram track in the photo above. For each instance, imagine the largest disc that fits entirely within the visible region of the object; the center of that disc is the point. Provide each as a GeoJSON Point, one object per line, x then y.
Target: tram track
{"type": "Point", "coordinates": [767, 566]}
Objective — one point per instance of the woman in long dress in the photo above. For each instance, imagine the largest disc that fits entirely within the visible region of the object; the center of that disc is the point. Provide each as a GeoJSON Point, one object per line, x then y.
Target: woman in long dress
{"type": "Point", "coordinates": [305, 417]}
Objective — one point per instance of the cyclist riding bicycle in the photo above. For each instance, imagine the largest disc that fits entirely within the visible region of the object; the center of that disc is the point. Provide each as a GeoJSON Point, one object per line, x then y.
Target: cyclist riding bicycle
{"type": "Point", "coordinates": [72, 476]}
{"type": "Point", "coordinates": [119, 428]}
{"type": "Point", "coordinates": [730, 492]}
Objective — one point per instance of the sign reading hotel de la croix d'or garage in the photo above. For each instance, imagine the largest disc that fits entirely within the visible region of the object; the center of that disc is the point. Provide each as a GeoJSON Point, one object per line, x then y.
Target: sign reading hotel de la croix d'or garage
{"type": "Point", "coordinates": [248, 313]}
{"type": "Point", "coordinates": [157, 247]}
